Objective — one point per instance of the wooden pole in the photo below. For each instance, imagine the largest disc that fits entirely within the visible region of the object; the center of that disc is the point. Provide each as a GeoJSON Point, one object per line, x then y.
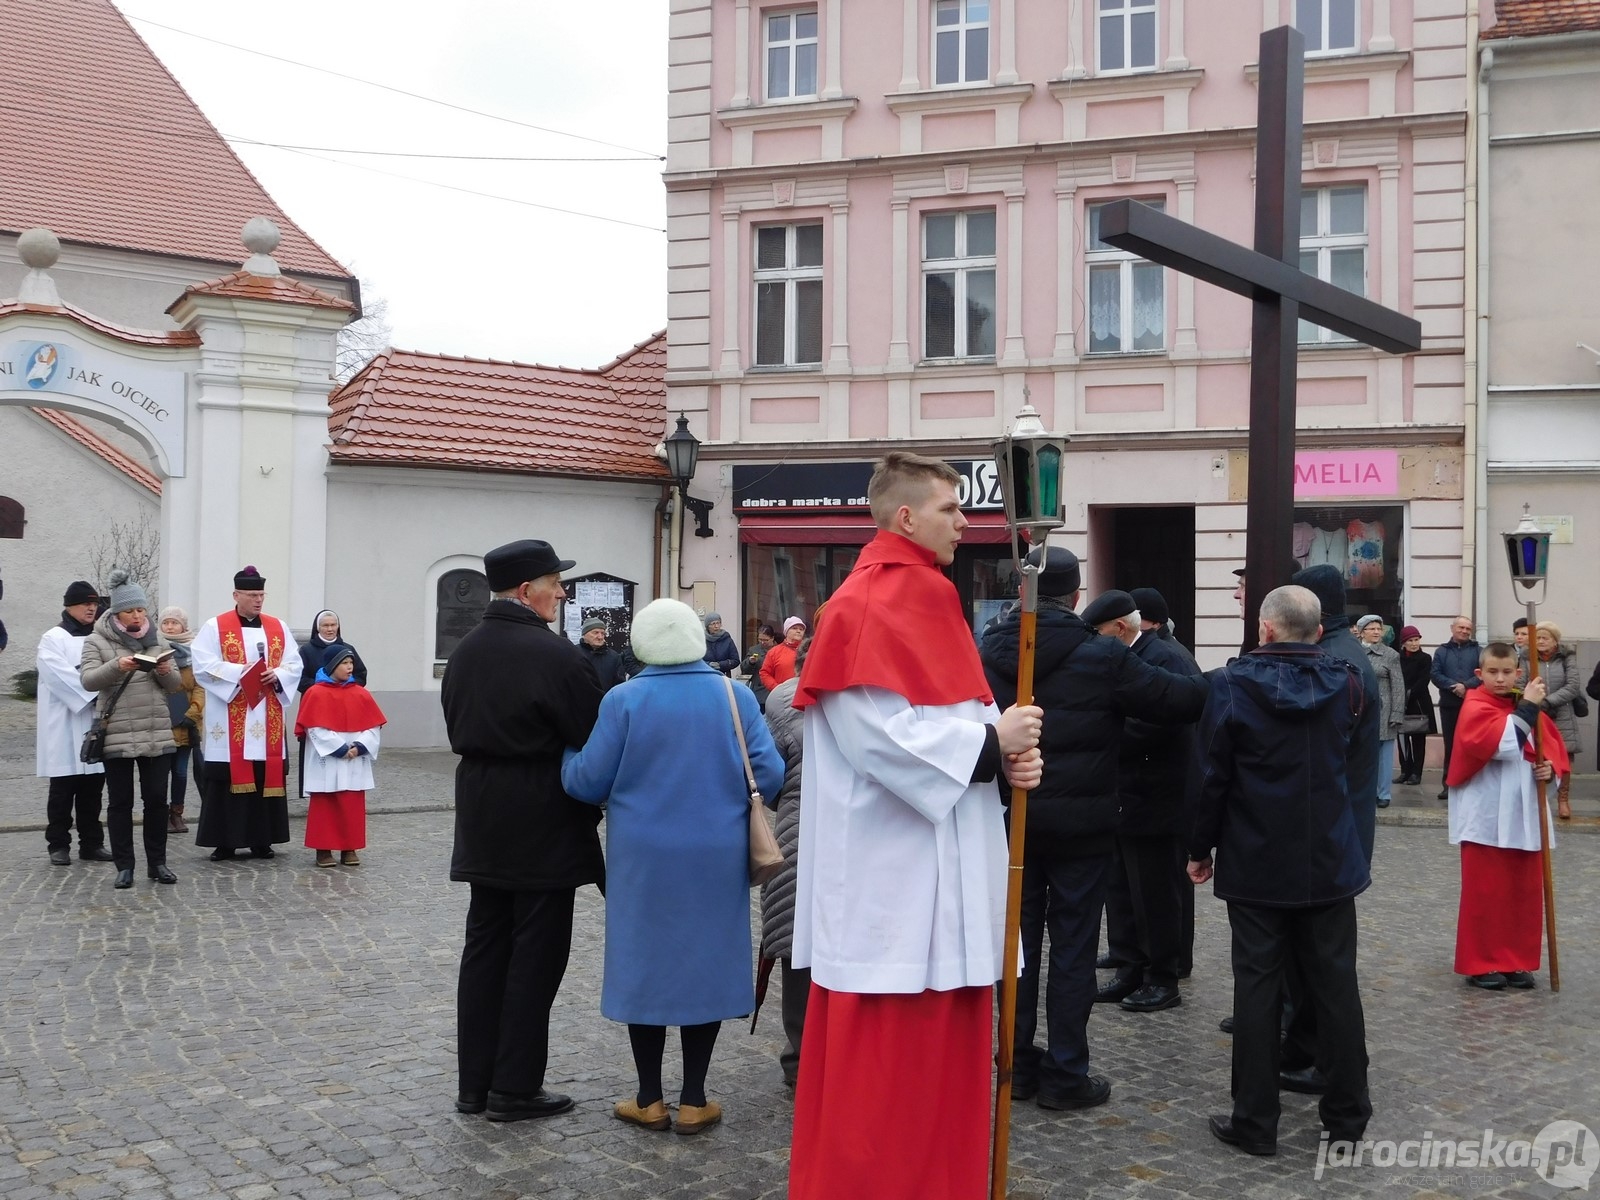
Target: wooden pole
{"type": "Point", "coordinates": [1544, 814]}
{"type": "Point", "coordinates": [1008, 972]}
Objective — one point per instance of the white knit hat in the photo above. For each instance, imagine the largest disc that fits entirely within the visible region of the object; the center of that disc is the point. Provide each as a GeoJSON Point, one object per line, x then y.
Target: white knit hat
{"type": "Point", "coordinates": [667, 633]}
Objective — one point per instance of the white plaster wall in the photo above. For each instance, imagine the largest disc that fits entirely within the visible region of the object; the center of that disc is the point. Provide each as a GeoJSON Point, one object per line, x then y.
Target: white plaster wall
{"type": "Point", "coordinates": [70, 496]}
{"type": "Point", "coordinates": [393, 530]}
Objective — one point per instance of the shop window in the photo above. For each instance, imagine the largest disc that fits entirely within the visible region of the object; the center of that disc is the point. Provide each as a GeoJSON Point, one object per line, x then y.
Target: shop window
{"type": "Point", "coordinates": [1367, 545]}
{"type": "Point", "coordinates": [791, 40]}
{"type": "Point", "coordinates": [1127, 301]}
{"type": "Point", "coordinates": [1127, 30]}
{"type": "Point", "coordinates": [1329, 26]}
{"type": "Point", "coordinates": [960, 42]}
{"type": "Point", "coordinates": [462, 596]}
{"type": "Point", "coordinates": [11, 518]}
{"type": "Point", "coordinates": [790, 581]}
{"type": "Point", "coordinates": [1333, 245]}
{"type": "Point", "coordinates": [788, 279]}
{"type": "Point", "coordinates": [958, 287]}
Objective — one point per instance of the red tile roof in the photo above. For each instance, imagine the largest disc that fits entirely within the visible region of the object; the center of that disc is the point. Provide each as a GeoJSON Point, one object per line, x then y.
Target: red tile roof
{"type": "Point", "coordinates": [431, 410]}
{"type": "Point", "coordinates": [1532, 18]}
{"type": "Point", "coordinates": [84, 436]}
{"type": "Point", "coordinates": [138, 337]}
{"type": "Point", "coordinates": [101, 144]}
{"type": "Point", "coordinates": [242, 285]}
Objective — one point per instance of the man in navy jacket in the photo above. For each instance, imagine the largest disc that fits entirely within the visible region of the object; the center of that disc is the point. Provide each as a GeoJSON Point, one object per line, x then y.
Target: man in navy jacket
{"type": "Point", "coordinates": [1276, 747]}
{"type": "Point", "coordinates": [1455, 673]}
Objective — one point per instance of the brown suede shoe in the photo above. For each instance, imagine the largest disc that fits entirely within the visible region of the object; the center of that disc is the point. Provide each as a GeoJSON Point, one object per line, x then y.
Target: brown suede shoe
{"type": "Point", "coordinates": [349, 858]}
{"type": "Point", "coordinates": [175, 821]}
{"type": "Point", "coordinates": [698, 1120]}
{"type": "Point", "coordinates": [653, 1117]}
{"type": "Point", "coordinates": [325, 858]}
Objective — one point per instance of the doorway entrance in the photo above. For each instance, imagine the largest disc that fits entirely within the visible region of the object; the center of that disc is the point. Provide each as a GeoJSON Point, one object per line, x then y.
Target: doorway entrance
{"type": "Point", "coordinates": [1153, 547]}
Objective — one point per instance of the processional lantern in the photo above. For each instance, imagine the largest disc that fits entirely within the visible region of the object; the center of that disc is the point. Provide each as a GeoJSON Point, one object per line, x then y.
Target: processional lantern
{"type": "Point", "coordinates": [1528, 555]}
{"type": "Point", "coordinates": [1032, 465]}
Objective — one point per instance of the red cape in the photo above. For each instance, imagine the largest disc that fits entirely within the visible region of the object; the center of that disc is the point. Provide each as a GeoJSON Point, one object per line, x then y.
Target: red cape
{"type": "Point", "coordinates": [895, 623]}
{"type": "Point", "coordinates": [1481, 726]}
{"type": "Point", "coordinates": [349, 708]}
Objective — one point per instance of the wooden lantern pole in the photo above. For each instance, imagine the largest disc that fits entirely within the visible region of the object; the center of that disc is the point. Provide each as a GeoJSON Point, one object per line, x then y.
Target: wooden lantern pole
{"type": "Point", "coordinates": [1013, 935]}
{"type": "Point", "coordinates": [1544, 812]}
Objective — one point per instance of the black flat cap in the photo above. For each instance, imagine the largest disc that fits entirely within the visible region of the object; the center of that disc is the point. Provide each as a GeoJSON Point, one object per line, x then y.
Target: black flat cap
{"type": "Point", "coordinates": [1059, 573]}
{"type": "Point", "coordinates": [518, 562]}
{"type": "Point", "coordinates": [1152, 605]}
{"type": "Point", "coordinates": [1108, 606]}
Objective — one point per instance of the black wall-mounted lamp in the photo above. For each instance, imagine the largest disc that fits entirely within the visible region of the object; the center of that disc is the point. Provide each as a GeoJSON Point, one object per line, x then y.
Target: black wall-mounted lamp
{"type": "Point", "coordinates": [683, 453]}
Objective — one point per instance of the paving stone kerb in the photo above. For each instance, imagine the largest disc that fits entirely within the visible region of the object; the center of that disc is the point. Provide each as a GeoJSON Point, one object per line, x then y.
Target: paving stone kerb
{"type": "Point", "coordinates": [267, 1029]}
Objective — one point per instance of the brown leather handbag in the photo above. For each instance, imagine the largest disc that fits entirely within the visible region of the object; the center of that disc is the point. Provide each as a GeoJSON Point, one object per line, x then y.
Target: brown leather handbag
{"type": "Point", "coordinates": [766, 860]}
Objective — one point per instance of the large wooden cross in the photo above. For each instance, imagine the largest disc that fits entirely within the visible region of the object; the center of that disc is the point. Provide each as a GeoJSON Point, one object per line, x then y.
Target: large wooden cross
{"type": "Point", "coordinates": [1282, 295]}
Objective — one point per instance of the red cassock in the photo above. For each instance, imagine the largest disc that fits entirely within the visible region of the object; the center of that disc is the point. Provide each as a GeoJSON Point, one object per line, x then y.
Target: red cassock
{"type": "Point", "coordinates": [337, 820]}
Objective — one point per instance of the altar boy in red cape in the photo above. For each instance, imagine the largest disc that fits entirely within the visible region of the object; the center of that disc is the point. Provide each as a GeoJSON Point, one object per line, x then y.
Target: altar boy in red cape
{"type": "Point", "coordinates": [340, 721]}
{"type": "Point", "coordinates": [901, 878]}
{"type": "Point", "coordinates": [249, 665]}
{"type": "Point", "coordinates": [1494, 816]}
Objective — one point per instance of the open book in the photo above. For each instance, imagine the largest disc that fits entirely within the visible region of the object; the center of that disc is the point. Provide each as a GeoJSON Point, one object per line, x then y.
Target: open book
{"type": "Point", "coordinates": [149, 660]}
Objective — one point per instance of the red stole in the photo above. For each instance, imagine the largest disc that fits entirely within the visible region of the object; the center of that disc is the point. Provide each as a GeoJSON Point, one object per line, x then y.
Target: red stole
{"type": "Point", "coordinates": [1479, 729]}
{"type": "Point", "coordinates": [339, 708]}
{"type": "Point", "coordinates": [241, 773]}
{"type": "Point", "coordinates": [895, 623]}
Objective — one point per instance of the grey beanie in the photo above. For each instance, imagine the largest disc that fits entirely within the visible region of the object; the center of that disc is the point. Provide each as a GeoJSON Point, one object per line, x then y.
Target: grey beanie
{"type": "Point", "coordinates": [710, 617]}
{"type": "Point", "coordinates": [125, 593]}
{"type": "Point", "coordinates": [591, 624]}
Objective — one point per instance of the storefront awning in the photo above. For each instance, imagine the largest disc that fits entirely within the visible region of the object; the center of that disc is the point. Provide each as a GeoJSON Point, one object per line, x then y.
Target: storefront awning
{"type": "Point", "coordinates": [850, 529]}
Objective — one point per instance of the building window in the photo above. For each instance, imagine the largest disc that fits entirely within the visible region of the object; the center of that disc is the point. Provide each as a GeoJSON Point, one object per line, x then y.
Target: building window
{"type": "Point", "coordinates": [1366, 545]}
{"type": "Point", "coordinates": [1333, 245]}
{"type": "Point", "coordinates": [958, 265]}
{"type": "Point", "coordinates": [11, 518]}
{"type": "Point", "coordinates": [960, 41]}
{"type": "Point", "coordinates": [1127, 297]}
{"type": "Point", "coordinates": [788, 295]}
{"type": "Point", "coordinates": [1127, 35]}
{"type": "Point", "coordinates": [792, 55]}
{"type": "Point", "coordinates": [461, 599]}
{"type": "Point", "coordinates": [1329, 26]}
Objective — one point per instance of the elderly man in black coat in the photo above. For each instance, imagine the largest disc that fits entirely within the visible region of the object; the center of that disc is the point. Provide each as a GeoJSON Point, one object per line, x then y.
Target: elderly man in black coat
{"type": "Point", "coordinates": [1086, 685]}
{"type": "Point", "coordinates": [516, 695]}
{"type": "Point", "coordinates": [1144, 903]}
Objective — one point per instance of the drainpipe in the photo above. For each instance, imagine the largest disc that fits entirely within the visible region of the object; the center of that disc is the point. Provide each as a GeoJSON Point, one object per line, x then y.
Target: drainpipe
{"type": "Point", "coordinates": [1471, 342]}
{"type": "Point", "coordinates": [1478, 260]}
{"type": "Point", "coordinates": [663, 507]}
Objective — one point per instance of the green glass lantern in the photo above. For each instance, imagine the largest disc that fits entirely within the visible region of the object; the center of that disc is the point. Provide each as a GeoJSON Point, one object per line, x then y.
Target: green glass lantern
{"type": "Point", "coordinates": [1032, 466]}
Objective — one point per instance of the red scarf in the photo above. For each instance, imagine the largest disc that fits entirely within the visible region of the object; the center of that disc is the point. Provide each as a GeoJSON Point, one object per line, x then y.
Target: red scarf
{"type": "Point", "coordinates": [1480, 727]}
{"type": "Point", "coordinates": [241, 772]}
{"type": "Point", "coordinates": [895, 623]}
{"type": "Point", "coordinates": [339, 708]}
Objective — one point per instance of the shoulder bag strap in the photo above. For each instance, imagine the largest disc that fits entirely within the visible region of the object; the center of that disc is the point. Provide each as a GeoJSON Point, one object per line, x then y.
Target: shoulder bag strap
{"type": "Point", "coordinates": [116, 695]}
{"type": "Point", "coordinates": [738, 729]}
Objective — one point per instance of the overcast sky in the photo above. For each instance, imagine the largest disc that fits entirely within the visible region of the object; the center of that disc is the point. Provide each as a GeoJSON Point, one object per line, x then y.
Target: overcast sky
{"type": "Point", "coordinates": [462, 274]}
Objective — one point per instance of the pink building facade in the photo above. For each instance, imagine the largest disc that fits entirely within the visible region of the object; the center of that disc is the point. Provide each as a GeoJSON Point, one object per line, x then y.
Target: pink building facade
{"type": "Point", "coordinates": [882, 221]}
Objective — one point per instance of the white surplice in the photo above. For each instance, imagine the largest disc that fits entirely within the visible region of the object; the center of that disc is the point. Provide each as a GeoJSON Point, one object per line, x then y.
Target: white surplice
{"type": "Point", "coordinates": [901, 876]}
{"type": "Point", "coordinates": [325, 774]}
{"type": "Point", "coordinates": [1499, 806]}
{"type": "Point", "coordinates": [221, 682]}
{"type": "Point", "coordinates": [66, 708]}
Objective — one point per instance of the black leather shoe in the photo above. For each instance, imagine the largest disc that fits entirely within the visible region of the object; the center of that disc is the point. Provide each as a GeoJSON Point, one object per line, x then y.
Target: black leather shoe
{"type": "Point", "coordinates": [61, 858]}
{"type": "Point", "coordinates": [124, 878]}
{"type": "Point", "coordinates": [471, 1102]}
{"type": "Point", "coordinates": [263, 852]}
{"type": "Point", "coordinates": [508, 1106]}
{"type": "Point", "coordinates": [1444, 793]}
{"type": "Point", "coordinates": [1226, 1025]}
{"type": "Point", "coordinates": [222, 854]}
{"type": "Point", "coordinates": [1118, 990]}
{"type": "Point", "coordinates": [1308, 1081]}
{"type": "Point", "coordinates": [1105, 962]}
{"type": "Point", "coordinates": [161, 874]}
{"type": "Point", "coordinates": [1414, 780]}
{"type": "Point", "coordinates": [1222, 1129]}
{"type": "Point", "coordinates": [1024, 1087]}
{"type": "Point", "coordinates": [1095, 1089]}
{"type": "Point", "coordinates": [1153, 997]}
{"type": "Point", "coordinates": [1491, 981]}
{"type": "Point", "coordinates": [1383, 802]}
{"type": "Point", "coordinates": [95, 854]}
{"type": "Point", "coordinates": [1521, 980]}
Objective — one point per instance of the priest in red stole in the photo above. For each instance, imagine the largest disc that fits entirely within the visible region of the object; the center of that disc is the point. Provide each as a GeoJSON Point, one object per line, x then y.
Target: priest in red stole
{"type": "Point", "coordinates": [901, 878]}
{"type": "Point", "coordinates": [340, 721]}
{"type": "Point", "coordinates": [249, 665]}
{"type": "Point", "coordinates": [1494, 817]}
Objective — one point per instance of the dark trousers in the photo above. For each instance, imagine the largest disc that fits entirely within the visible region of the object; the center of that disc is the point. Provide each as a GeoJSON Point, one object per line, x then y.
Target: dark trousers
{"type": "Point", "coordinates": [1413, 748]}
{"type": "Point", "coordinates": [1154, 904]}
{"type": "Point", "coordinates": [180, 775]}
{"type": "Point", "coordinates": [154, 771]}
{"type": "Point", "coordinates": [1321, 943]}
{"type": "Point", "coordinates": [69, 796]}
{"type": "Point", "coordinates": [512, 964]}
{"type": "Point", "coordinates": [1186, 903]}
{"type": "Point", "coordinates": [1066, 894]}
{"type": "Point", "coordinates": [1122, 927]}
{"type": "Point", "coordinates": [796, 983]}
{"type": "Point", "coordinates": [1449, 714]}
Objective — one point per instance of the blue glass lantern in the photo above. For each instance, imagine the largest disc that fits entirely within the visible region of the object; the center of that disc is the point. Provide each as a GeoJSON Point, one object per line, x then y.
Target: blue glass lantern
{"type": "Point", "coordinates": [1528, 555]}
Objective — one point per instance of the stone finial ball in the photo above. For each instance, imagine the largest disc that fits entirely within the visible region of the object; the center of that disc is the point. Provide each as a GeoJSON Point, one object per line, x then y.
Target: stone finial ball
{"type": "Point", "coordinates": [260, 235]}
{"type": "Point", "coordinates": [39, 248]}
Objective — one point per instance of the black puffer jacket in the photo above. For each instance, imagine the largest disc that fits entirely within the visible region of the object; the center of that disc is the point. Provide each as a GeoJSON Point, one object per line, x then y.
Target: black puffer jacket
{"type": "Point", "coordinates": [1158, 759]}
{"type": "Point", "coordinates": [1086, 685]}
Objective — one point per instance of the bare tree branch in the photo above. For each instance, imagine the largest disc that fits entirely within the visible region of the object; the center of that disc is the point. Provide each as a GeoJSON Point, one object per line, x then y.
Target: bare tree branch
{"type": "Point", "coordinates": [135, 546]}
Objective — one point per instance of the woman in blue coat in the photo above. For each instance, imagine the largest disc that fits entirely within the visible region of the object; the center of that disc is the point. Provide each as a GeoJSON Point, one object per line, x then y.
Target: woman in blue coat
{"type": "Point", "coordinates": [664, 760]}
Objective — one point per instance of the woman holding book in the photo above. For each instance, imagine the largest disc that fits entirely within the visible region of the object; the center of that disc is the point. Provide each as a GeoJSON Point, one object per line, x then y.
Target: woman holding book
{"type": "Point", "coordinates": [131, 666]}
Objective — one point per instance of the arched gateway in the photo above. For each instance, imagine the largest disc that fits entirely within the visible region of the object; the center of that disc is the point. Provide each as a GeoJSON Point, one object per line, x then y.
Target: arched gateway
{"type": "Point", "coordinates": [231, 407]}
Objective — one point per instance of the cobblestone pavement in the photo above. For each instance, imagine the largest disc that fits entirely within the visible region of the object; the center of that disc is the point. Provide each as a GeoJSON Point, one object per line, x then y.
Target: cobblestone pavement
{"type": "Point", "coordinates": [265, 1029]}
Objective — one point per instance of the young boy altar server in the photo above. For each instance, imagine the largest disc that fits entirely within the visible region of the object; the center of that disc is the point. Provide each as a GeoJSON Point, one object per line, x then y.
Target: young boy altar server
{"type": "Point", "coordinates": [340, 721]}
